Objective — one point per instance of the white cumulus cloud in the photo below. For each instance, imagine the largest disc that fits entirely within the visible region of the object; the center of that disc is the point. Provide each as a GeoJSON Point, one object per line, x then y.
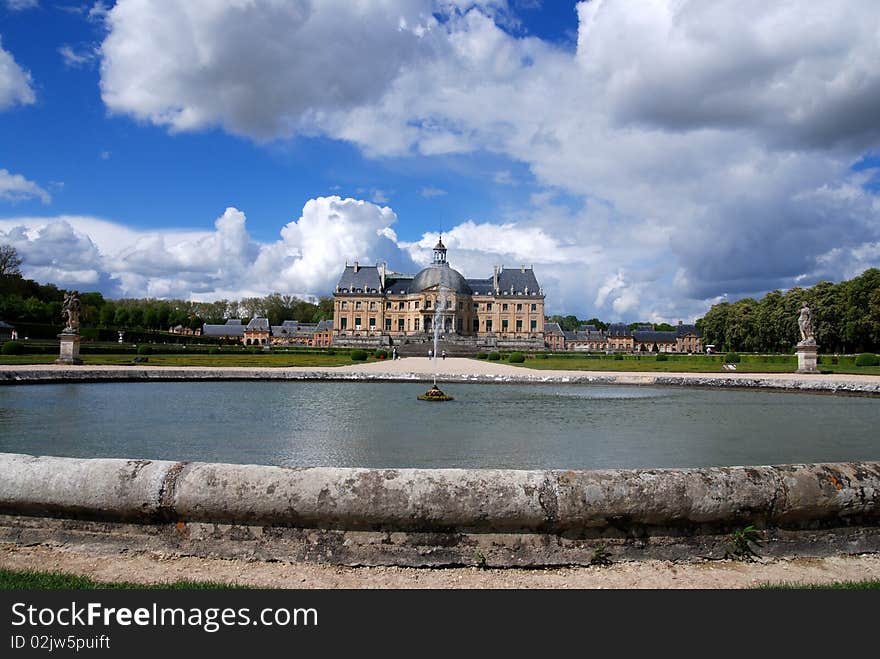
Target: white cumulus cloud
{"type": "Point", "coordinates": [15, 82]}
{"type": "Point", "coordinates": [710, 145]}
{"type": "Point", "coordinates": [15, 187]}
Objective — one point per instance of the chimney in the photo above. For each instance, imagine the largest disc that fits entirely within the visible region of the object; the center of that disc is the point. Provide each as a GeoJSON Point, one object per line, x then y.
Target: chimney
{"type": "Point", "coordinates": [355, 265]}
{"type": "Point", "coordinates": [495, 278]}
{"type": "Point", "coordinates": [382, 275]}
{"type": "Point", "coordinates": [522, 268]}
{"type": "Point", "coordinates": [679, 323]}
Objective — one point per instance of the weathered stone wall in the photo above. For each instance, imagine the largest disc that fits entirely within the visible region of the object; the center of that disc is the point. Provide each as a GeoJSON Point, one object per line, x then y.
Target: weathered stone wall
{"type": "Point", "coordinates": [811, 383]}
{"type": "Point", "coordinates": [437, 516]}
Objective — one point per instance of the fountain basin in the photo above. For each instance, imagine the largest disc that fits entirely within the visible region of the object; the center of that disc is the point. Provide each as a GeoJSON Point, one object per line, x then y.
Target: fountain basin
{"type": "Point", "coordinates": [435, 394]}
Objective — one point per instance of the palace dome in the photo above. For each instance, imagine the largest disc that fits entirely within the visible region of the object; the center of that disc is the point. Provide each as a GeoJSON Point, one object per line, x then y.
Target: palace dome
{"type": "Point", "coordinates": [440, 275]}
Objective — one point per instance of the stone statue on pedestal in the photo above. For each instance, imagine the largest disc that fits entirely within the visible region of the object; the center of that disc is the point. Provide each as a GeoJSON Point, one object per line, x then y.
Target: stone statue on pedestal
{"type": "Point", "coordinates": [807, 350]}
{"type": "Point", "coordinates": [805, 322]}
{"type": "Point", "coordinates": [69, 337]}
{"type": "Point", "coordinates": [70, 310]}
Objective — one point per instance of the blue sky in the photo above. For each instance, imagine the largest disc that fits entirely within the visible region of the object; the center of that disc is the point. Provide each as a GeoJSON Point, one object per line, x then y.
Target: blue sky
{"type": "Point", "coordinates": [647, 160]}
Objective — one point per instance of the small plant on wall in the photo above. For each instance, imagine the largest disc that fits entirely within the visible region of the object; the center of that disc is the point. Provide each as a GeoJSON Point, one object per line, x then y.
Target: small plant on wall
{"type": "Point", "coordinates": [739, 545]}
{"type": "Point", "coordinates": [601, 556]}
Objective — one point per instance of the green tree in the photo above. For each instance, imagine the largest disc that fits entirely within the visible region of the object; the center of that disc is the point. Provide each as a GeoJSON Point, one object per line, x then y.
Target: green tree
{"type": "Point", "coordinates": [713, 325]}
{"type": "Point", "coordinates": [120, 318]}
{"type": "Point", "coordinates": [323, 310]}
{"type": "Point", "coordinates": [151, 318]}
{"type": "Point", "coordinates": [10, 261]}
{"type": "Point", "coordinates": [107, 315]}
{"type": "Point", "coordinates": [135, 317]}
{"type": "Point", "coordinates": [598, 323]}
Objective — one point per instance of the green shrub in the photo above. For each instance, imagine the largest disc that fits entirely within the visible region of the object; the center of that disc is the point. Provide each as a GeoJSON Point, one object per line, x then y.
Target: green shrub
{"type": "Point", "coordinates": [494, 356]}
{"type": "Point", "coordinates": [661, 357]}
{"type": "Point", "coordinates": [544, 355]}
{"type": "Point", "coordinates": [618, 356]}
{"type": "Point", "coordinates": [381, 354]}
{"type": "Point", "coordinates": [732, 358]}
{"type": "Point", "coordinates": [214, 351]}
{"type": "Point", "coordinates": [601, 556]}
{"type": "Point", "coordinates": [867, 359]}
{"type": "Point", "coordinates": [12, 348]}
{"type": "Point", "coordinates": [359, 355]}
{"type": "Point", "coordinates": [516, 358]}
{"type": "Point", "coordinates": [482, 355]}
{"type": "Point", "coordinates": [145, 350]}
{"type": "Point", "coordinates": [329, 351]}
{"type": "Point", "coordinates": [740, 543]}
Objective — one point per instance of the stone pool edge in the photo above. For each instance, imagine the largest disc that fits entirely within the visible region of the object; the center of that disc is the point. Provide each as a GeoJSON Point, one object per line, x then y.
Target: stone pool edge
{"type": "Point", "coordinates": [438, 517]}
{"type": "Point", "coordinates": [816, 384]}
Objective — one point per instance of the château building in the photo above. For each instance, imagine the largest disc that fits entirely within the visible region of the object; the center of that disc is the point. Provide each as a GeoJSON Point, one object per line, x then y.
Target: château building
{"type": "Point", "coordinates": [374, 306]}
{"type": "Point", "coordinates": [258, 332]}
{"type": "Point", "coordinates": [619, 338]}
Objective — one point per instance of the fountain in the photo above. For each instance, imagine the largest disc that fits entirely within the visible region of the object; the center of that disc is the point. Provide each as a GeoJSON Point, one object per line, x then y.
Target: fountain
{"type": "Point", "coordinates": [435, 393]}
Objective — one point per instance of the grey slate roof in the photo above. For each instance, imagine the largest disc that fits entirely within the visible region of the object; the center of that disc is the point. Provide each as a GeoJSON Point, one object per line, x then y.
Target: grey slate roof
{"type": "Point", "coordinates": [618, 329]}
{"type": "Point", "coordinates": [683, 330]}
{"type": "Point", "coordinates": [443, 276]}
{"type": "Point", "coordinates": [295, 328]}
{"type": "Point", "coordinates": [365, 280]}
{"type": "Point", "coordinates": [398, 284]}
{"type": "Point", "coordinates": [518, 280]}
{"type": "Point", "coordinates": [481, 286]}
{"type": "Point", "coordinates": [552, 328]}
{"type": "Point", "coordinates": [258, 325]}
{"type": "Point", "coordinates": [232, 327]}
{"type": "Point", "coordinates": [654, 336]}
{"type": "Point", "coordinates": [588, 336]}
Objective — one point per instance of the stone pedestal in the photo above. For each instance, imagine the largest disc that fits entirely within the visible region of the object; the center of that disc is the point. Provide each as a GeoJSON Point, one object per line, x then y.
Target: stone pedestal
{"type": "Point", "coordinates": [807, 358]}
{"type": "Point", "coordinates": [69, 349]}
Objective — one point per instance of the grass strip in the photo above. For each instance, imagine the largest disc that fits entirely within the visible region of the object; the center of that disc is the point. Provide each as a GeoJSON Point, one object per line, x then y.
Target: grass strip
{"type": "Point", "coordinates": [36, 580]}
{"type": "Point", "coordinates": [867, 584]}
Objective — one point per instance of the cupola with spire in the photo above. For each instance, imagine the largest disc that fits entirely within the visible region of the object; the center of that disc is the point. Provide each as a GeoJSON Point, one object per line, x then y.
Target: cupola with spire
{"type": "Point", "coordinates": [440, 252]}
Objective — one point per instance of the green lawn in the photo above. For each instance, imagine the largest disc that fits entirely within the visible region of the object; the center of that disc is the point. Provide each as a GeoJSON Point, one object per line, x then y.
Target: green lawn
{"type": "Point", "coordinates": [246, 359]}
{"type": "Point", "coordinates": [680, 364]}
{"type": "Point", "coordinates": [840, 585]}
{"type": "Point", "coordinates": [567, 362]}
{"type": "Point", "coordinates": [28, 579]}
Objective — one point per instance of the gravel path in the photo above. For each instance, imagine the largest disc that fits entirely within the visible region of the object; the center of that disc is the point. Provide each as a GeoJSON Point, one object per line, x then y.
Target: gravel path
{"type": "Point", "coordinates": [157, 568]}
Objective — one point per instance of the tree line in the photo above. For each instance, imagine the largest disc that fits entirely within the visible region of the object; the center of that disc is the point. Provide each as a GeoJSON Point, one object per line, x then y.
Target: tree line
{"type": "Point", "coordinates": [27, 301]}
{"type": "Point", "coordinates": [846, 318]}
{"type": "Point", "coordinates": [573, 323]}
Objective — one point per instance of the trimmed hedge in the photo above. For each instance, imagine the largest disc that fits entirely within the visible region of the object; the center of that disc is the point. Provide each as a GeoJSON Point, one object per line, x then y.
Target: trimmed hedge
{"type": "Point", "coordinates": [145, 350]}
{"type": "Point", "coordinates": [482, 355]}
{"type": "Point", "coordinates": [731, 358]}
{"type": "Point", "coordinates": [662, 357]}
{"type": "Point", "coordinates": [867, 359]}
{"type": "Point", "coordinates": [516, 358]}
{"type": "Point", "coordinates": [381, 354]}
{"type": "Point", "coordinates": [359, 355]}
{"type": "Point", "coordinates": [13, 348]}
{"type": "Point", "coordinates": [494, 356]}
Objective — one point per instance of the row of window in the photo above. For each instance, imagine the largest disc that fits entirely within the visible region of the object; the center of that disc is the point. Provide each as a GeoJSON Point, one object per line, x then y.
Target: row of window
{"type": "Point", "coordinates": [416, 322]}
{"type": "Point", "coordinates": [415, 305]}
